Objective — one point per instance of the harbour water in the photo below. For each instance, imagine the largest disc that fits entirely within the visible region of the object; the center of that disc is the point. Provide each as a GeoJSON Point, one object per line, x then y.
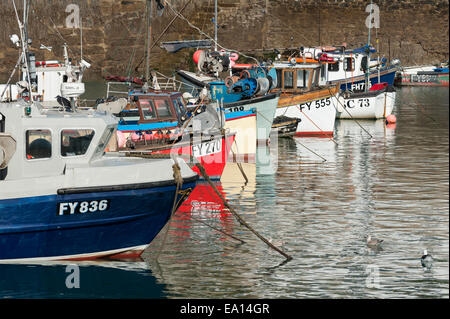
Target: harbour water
{"type": "Point", "coordinates": [387, 181]}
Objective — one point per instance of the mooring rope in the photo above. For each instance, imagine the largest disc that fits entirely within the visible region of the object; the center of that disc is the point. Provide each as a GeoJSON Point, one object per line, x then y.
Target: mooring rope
{"type": "Point", "coordinates": [178, 178]}
{"type": "Point", "coordinates": [237, 216]}
{"type": "Point", "coordinates": [213, 40]}
{"type": "Point", "coordinates": [330, 138]}
{"type": "Point", "coordinates": [310, 150]}
{"type": "Point", "coordinates": [350, 114]}
{"type": "Point", "coordinates": [179, 181]}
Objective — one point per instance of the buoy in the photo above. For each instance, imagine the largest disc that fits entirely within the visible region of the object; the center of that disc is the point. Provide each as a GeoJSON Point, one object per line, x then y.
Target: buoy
{"type": "Point", "coordinates": [391, 119]}
{"type": "Point", "coordinates": [196, 56]}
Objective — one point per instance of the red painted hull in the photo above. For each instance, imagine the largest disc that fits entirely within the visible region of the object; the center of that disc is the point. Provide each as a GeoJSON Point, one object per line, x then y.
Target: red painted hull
{"type": "Point", "coordinates": [314, 134]}
{"type": "Point", "coordinates": [214, 163]}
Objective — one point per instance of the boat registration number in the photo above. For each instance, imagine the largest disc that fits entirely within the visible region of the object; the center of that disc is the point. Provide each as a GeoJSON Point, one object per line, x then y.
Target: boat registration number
{"type": "Point", "coordinates": [84, 207]}
{"type": "Point", "coordinates": [207, 148]}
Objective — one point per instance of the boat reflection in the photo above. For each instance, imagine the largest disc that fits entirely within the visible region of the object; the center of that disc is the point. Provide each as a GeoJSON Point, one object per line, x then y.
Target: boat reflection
{"type": "Point", "coordinates": [97, 279]}
{"type": "Point", "coordinates": [358, 130]}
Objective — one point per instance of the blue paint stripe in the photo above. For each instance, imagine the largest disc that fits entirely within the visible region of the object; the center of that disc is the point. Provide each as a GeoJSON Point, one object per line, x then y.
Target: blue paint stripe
{"type": "Point", "coordinates": [145, 126]}
{"type": "Point", "coordinates": [233, 115]}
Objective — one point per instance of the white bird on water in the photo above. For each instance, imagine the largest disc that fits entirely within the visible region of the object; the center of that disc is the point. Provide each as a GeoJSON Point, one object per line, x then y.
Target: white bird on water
{"type": "Point", "coordinates": [373, 242]}
{"type": "Point", "coordinates": [426, 259]}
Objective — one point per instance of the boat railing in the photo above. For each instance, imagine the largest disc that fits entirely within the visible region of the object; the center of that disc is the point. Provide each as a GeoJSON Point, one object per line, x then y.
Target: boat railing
{"type": "Point", "coordinates": [170, 82]}
{"type": "Point", "coordinates": [163, 82]}
{"type": "Point", "coordinates": [117, 88]}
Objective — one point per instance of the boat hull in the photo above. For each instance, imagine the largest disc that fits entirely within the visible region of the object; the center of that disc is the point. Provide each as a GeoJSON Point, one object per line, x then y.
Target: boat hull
{"type": "Point", "coordinates": [359, 83]}
{"type": "Point", "coordinates": [367, 105]}
{"type": "Point", "coordinates": [426, 79]}
{"type": "Point", "coordinates": [316, 111]}
{"type": "Point", "coordinates": [243, 123]}
{"type": "Point", "coordinates": [212, 154]}
{"type": "Point", "coordinates": [264, 108]}
{"type": "Point", "coordinates": [53, 227]}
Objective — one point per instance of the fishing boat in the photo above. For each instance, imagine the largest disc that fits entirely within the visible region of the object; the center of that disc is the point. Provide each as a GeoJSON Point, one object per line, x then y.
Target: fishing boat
{"type": "Point", "coordinates": [159, 122]}
{"type": "Point", "coordinates": [62, 197]}
{"type": "Point", "coordinates": [235, 93]}
{"type": "Point", "coordinates": [352, 69]}
{"type": "Point", "coordinates": [378, 102]}
{"type": "Point", "coordinates": [305, 97]}
{"type": "Point", "coordinates": [427, 75]}
{"type": "Point", "coordinates": [358, 101]}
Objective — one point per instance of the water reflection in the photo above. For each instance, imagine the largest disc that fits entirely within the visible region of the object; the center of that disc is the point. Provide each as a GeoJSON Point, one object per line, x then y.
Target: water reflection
{"type": "Point", "coordinates": [392, 184]}
{"type": "Point", "coordinates": [105, 279]}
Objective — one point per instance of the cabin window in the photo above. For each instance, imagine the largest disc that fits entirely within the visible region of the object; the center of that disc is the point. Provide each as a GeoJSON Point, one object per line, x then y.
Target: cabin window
{"type": "Point", "coordinates": [302, 78]}
{"type": "Point", "coordinates": [181, 105]}
{"type": "Point", "coordinates": [333, 67]}
{"type": "Point", "coordinates": [75, 142]}
{"type": "Point", "coordinates": [148, 109]}
{"type": "Point", "coordinates": [316, 77]}
{"type": "Point", "coordinates": [177, 106]}
{"type": "Point", "coordinates": [349, 64]}
{"type": "Point", "coordinates": [279, 74]}
{"type": "Point", "coordinates": [288, 79]}
{"type": "Point", "coordinates": [364, 63]}
{"type": "Point", "coordinates": [163, 108]}
{"type": "Point", "coordinates": [103, 142]}
{"type": "Point", "coordinates": [322, 71]}
{"type": "Point", "coordinates": [38, 144]}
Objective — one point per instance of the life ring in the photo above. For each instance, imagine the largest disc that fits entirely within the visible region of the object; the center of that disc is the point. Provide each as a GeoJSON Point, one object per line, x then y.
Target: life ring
{"type": "Point", "coordinates": [234, 56]}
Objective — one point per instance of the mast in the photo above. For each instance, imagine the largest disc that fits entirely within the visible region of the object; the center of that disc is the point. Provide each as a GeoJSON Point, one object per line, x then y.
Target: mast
{"type": "Point", "coordinates": [26, 65]}
{"type": "Point", "coordinates": [149, 35]}
{"type": "Point", "coordinates": [215, 25]}
{"type": "Point", "coordinates": [368, 48]}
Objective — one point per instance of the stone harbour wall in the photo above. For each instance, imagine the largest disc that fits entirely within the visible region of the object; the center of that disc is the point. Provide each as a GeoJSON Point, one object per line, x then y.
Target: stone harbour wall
{"type": "Point", "coordinates": [414, 31]}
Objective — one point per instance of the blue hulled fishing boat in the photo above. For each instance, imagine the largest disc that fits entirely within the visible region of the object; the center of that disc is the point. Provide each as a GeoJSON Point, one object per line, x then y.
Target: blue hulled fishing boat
{"type": "Point", "coordinates": [62, 197]}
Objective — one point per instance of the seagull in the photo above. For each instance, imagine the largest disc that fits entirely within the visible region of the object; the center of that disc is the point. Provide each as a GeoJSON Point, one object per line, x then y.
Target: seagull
{"type": "Point", "coordinates": [373, 242]}
{"type": "Point", "coordinates": [426, 259]}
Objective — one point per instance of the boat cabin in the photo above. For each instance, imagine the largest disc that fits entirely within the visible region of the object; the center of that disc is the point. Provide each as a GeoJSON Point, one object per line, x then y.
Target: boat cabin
{"type": "Point", "coordinates": [298, 78]}
{"type": "Point", "coordinates": [47, 141]}
{"type": "Point", "coordinates": [160, 109]}
{"type": "Point", "coordinates": [347, 63]}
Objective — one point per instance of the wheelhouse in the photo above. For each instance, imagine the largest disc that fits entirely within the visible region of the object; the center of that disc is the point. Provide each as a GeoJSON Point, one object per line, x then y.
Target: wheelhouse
{"type": "Point", "coordinates": [297, 78]}
{"type": "Point", "coordinates": [146, 108]}
{"type": "Point", "coordinates": [47, 140]}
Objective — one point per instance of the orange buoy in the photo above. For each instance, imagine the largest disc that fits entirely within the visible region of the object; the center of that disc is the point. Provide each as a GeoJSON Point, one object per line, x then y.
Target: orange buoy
{"type": "Point", "coordinates": [391, 119]}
